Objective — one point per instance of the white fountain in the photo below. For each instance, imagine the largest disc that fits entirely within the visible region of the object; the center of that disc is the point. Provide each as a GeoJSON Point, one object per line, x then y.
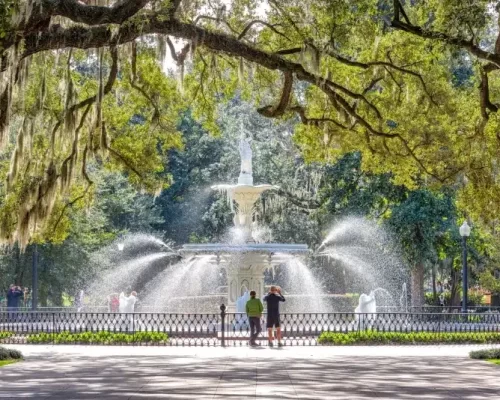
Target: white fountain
{"type": "Point", "coordinates": [246, 261]}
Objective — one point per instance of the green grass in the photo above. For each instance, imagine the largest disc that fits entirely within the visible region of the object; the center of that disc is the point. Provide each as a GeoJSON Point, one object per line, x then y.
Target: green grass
{"type": "Point", "coordinates": [494, 361]}
{"type": "Point", "coordinates": [375, 337]}
{"type": "Point", "coordinates": [3, 363]}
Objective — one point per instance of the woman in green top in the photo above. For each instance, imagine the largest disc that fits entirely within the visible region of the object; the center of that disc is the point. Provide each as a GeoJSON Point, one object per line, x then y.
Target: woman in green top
{"type": "Point", "coordinates": [254, 310]}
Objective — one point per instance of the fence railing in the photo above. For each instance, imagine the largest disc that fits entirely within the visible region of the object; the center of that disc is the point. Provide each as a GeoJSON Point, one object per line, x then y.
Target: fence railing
{"type": "Point", "coordinates": [341, 309]}
{"type": "Point", "coordinates": [228, 329]}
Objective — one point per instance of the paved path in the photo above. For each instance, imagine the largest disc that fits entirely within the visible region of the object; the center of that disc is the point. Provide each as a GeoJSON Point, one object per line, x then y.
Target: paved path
{"type": "Point", "coordinates": [347, 373]}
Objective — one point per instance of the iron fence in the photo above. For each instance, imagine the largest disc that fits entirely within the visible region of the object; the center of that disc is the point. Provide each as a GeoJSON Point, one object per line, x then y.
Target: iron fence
{"type": "Point", "coordinates": [232, 329]}
{"type": "Point", "coordinates": [340, 309]}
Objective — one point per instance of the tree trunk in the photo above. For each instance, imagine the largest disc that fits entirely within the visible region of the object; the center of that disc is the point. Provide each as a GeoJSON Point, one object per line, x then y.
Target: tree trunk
{"type": "Point", "coordinates": [43, 294]}
{"type": "Point", "coordinates": [417, 285]}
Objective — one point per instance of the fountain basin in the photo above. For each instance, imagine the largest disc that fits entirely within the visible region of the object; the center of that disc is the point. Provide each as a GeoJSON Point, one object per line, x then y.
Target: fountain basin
{"type": "Point", "coordinates": [224, 248]}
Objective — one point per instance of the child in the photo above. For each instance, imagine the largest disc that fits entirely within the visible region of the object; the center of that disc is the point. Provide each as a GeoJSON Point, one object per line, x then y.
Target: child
{"type": "Point", "coordinates": [254, 310]}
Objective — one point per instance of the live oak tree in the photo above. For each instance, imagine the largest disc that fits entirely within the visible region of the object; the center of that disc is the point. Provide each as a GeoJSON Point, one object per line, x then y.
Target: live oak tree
{"type": "Point", "coordinates": [82, 80]}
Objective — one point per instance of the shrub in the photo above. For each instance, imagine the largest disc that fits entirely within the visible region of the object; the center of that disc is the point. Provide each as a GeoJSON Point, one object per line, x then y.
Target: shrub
{"type": "Point", "coordinates": [485, 354]}
{"type": "Point", "coordinates": [473, 298]}
{"type": "Point", "coordinates": [5, 335]}
{"type": "Point", "coordinates": [376, 337]}
{"type": "Point", "coordinates": [9, 354]}
{"type": "Point", "coordinates": [102, 337]}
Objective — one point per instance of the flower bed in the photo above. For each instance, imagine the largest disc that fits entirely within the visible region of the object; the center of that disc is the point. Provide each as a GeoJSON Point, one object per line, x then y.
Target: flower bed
{"type": "Point", "coordinates": [374, 337]}
{"type": "Point", "coordinates": [107, 338]}
{"type": "Point", "coordinates": [5, 335]}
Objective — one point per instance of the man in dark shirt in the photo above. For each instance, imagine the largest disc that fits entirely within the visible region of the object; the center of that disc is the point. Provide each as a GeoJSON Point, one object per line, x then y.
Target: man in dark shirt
{"type": "Point", "coordinates": [273, 299]}
{"type": "Point", "coordinates": [13, 296]}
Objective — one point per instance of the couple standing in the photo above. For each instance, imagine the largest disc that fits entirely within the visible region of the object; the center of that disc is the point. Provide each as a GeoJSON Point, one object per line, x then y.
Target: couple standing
{"type": "Point", "coordinates": [254, 309]}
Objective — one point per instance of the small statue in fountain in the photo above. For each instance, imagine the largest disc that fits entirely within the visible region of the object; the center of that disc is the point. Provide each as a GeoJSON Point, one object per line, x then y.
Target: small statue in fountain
{"type": "Point", "coordinates": [246, 156]}
{"type": "Point", "coordinates": [367, 304]}
{"type": "Point", "coordinates": [246, 173]}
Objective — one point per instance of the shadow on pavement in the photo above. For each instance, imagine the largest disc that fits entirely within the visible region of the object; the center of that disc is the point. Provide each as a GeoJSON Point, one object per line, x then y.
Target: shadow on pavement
{"type": "Point", "coordinates": [189, 377]}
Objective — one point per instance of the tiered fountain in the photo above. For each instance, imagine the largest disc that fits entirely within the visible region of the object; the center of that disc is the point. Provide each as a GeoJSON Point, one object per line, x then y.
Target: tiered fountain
{"type": "Point", "coordinates": [246, 261]}
{"type": "Point", "coordinates": [208, 274]}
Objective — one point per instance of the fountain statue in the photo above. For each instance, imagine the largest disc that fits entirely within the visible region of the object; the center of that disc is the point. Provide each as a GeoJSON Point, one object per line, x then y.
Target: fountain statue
{"type": "Point", "coordinates": [366, 304]}
{"type": "Point", "coordinates": [246, 173]}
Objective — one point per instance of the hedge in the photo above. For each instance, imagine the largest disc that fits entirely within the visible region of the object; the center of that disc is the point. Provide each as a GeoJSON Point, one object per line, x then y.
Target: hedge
{"type": "Point", "coordinates": [103, 337]}
{"type": "Point", "coordinates": [9, 354]}
{"type": "Point", "coordinates": [375, 337]}
{"type": "Point", "coordinates": [5, 335]}
{"type": "Point", "coordinates": [486, 354]}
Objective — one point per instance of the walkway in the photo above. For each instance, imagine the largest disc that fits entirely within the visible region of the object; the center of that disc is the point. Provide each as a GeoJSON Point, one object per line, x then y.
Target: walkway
{"type": "Point", "coordinates": [347, 373]}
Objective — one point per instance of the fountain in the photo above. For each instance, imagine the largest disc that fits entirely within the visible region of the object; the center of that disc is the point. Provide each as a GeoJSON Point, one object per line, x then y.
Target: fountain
{"type": "Point", "coordinates": [369, 253]}
{"type": "Point", "coordinates": [208, 274]}
{"type": "Point", "coordinates": [244, 260]}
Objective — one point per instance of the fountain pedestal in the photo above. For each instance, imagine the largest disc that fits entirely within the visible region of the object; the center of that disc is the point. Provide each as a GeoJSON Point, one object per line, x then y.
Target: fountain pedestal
{"type": "Point", "coordinates": [244, 264]}
{"type": "Point", "coordinates": [245, 272]}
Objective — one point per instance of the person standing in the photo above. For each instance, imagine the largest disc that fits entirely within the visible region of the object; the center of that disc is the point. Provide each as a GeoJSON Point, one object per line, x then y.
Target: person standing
{"type": "Point", "coordinates": [254, 309]}
{"type": "Point", "coordinates": [13, 296]}
{"type": "Point", "coordinates": [27, 299]}
{"type": "Point", "coordinates": [113, 302]}
{"type": "Point", "coordinates": [273, 299]}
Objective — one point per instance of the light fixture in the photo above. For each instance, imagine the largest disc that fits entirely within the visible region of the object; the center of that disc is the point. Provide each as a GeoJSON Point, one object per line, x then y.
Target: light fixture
{"type": "Point", "coordinates": [465, 229]}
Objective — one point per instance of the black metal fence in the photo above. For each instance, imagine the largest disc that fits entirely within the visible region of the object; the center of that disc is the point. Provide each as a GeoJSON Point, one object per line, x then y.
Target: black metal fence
{"type": "Point", "coordinates": [232, 329]}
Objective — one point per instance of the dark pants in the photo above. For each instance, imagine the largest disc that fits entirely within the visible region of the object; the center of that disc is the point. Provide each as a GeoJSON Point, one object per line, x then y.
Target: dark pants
{"type": "Point", "coordinates": [255, 328]}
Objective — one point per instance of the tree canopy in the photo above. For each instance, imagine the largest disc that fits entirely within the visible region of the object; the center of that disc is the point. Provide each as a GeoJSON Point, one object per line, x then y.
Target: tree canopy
{"type": "Point", "coordinates": [411, 85]}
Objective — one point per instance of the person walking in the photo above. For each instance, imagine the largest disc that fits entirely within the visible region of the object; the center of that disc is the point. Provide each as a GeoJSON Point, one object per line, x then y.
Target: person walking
{"type": "Point", "coordinates": [273, 299]}
{"type": "Point", "coordinates": [254, 309]}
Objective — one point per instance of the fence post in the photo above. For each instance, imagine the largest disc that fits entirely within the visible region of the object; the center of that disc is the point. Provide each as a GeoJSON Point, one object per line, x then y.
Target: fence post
{"type": "Point", "coordinates": [222, 325]}
{"type": "Point", "coordinates": [439, 325]}
{"type": "Point", "coordinates": [134, 336]}
{"type": "Point", "coordinates": [53, 328]}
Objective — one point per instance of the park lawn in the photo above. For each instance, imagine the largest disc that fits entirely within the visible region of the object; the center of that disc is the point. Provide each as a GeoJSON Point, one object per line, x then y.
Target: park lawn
{"type": "Point", "coordinates": [7, 362]}
{"type": "Point", "coordinates": [494, 361]}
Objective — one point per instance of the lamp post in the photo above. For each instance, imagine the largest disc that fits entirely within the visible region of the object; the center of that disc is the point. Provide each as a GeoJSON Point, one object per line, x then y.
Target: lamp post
{"type": "Point", "coordinates": [34, 279]}
{"type": "Point", "coordinates": [465, 233]}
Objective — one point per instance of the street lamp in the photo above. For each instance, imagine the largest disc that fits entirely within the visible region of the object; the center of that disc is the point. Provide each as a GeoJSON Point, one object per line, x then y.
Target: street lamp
{"type": "Point", "coordinates": [465, 233]}
{"type": "Point", "coordinates": [34, 278]}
